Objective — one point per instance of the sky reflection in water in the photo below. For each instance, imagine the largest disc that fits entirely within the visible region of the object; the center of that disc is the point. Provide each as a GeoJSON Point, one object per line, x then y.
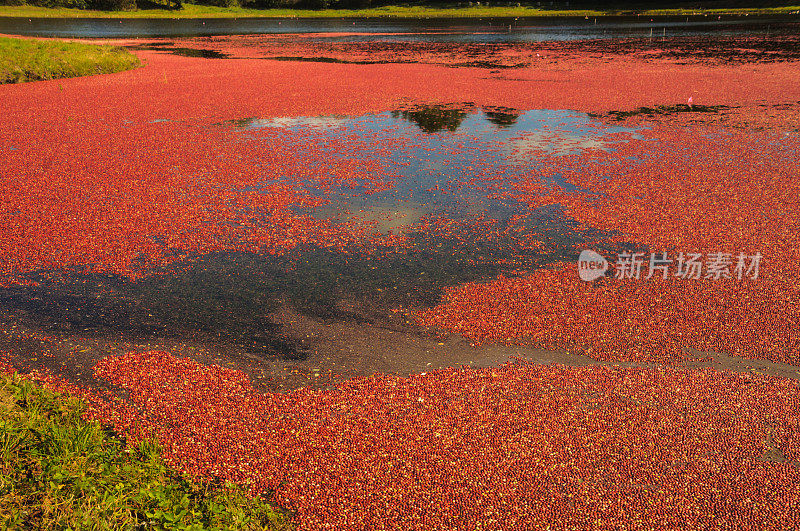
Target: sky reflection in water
{"type": "Point", "coordinates": [449, 165]}
{"type": "Point", "coordinates": [450, 171]}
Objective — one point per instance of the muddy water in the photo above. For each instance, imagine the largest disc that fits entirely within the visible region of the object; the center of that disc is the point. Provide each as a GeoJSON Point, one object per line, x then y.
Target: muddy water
{"type": "Point", "coordinates": [316, 315]}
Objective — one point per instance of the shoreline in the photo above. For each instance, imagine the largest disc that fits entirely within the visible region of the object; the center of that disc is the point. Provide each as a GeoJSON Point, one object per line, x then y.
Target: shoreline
{"type": "Point", "coordinates": [191, 11]}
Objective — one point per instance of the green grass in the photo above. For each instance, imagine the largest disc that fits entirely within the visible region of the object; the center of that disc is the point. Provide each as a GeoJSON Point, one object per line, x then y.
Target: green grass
{"type": "Point", "coordinates": [34, 60]}
{"type": "Point", "coordinates": [58, 471]}
{"type": "Point", "coordinates": [196, 11]}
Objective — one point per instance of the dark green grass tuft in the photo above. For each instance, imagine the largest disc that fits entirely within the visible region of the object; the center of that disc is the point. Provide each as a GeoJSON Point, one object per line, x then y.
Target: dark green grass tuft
{"type": "Point", "coordinates": [36, 60]}
{"type": "Point", "coordinates": [58, 471]}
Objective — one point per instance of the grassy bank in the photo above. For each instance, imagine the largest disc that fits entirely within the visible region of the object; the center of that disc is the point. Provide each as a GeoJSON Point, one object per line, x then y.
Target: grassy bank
{"type": "Point", "coordinates": [58, 471]}
{"type": "Point", "coordinates": [34, 60]}
{"type": "Point", "coordinates": [196, 11]}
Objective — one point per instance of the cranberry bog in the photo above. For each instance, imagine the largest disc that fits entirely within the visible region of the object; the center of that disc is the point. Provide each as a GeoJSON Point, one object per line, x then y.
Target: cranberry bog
{"type": "Point", "coordinates": [426, 285]}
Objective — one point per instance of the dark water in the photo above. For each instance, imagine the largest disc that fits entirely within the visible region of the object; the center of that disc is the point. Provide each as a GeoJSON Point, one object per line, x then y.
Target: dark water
{"type": "Point", "coordinates": [230, 297]}
{"type": "Point", "coordinates": [427, 30]}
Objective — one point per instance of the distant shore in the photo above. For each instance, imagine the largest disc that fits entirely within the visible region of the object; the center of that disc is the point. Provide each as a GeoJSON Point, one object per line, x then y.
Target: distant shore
{"type": "Point", "coordinates": [196, 11]}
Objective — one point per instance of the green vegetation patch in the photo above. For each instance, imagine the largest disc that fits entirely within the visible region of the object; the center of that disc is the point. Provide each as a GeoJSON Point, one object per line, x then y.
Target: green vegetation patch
{"type": "Point", "coordinates": [665, 110]}
{"type": "Point", "coordinates": [35, 60]}
{"type": "Point", "coordinates": [234, 11]}
{"type": "Point", "coordinates": [58, 471]}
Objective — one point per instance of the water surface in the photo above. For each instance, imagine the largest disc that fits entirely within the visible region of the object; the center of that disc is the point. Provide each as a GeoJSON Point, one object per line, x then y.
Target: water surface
{"type": "Point", "coordinates": [422, 30]}
{"type": "Point", "coordinates": [447, 184]}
